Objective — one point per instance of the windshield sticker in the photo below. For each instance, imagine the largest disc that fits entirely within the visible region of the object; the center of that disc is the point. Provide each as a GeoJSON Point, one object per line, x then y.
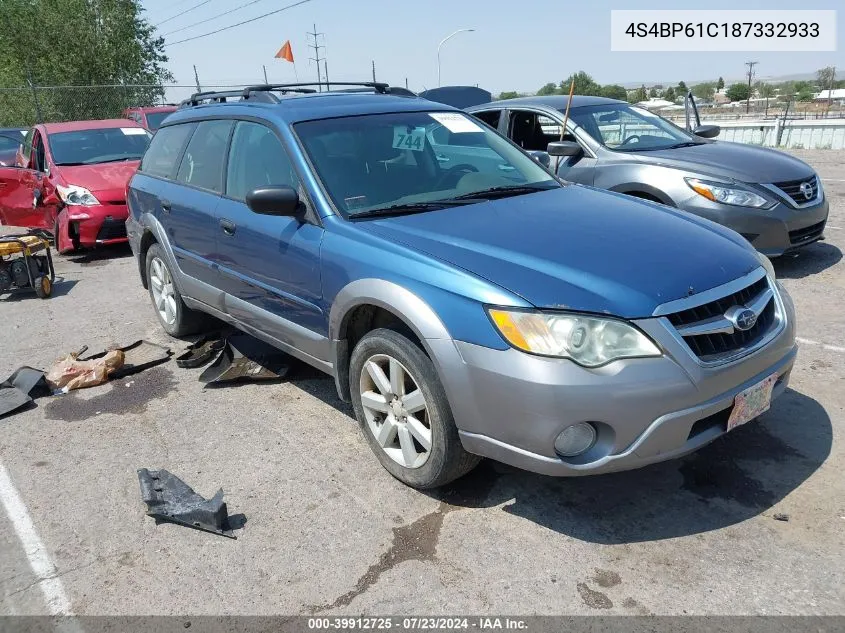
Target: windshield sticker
{"type": "Point", "coordinates": [455, 122]}
{"type": "Point", "coordinates": [133, 131]}
{"type": "Point", "coordinates": [412, 138]}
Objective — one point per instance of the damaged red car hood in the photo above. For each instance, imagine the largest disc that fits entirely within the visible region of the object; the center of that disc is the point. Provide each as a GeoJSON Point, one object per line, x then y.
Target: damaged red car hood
{"type": "Point", "coordinates": [104, 178]}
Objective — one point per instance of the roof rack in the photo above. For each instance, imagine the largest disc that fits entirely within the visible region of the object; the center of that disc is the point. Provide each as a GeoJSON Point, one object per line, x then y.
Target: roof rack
{"type": "Point", "coordinates": [379, 87]}
{"type": "Point", "coordinates": [262, 92]}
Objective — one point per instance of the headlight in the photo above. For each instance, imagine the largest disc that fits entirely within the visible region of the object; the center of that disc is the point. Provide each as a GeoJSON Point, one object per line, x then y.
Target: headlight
{"type": "Point", "coordinates": [73, 194]}
{"type": "Point", "coordinates": [589, 341]}
{"type": "Point", "coordinates": [766, 263]}
{"type": "Point", "coordinates": [726, 194]}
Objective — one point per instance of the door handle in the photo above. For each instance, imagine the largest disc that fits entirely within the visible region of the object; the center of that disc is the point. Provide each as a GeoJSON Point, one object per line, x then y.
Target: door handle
{"type": "Point", "coordinates": [165, 206]}
{"type": "Point", "coordinates": [228, 227]}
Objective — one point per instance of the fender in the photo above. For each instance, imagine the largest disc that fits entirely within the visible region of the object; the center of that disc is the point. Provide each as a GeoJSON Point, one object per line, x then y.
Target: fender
{"type": "Point", "coordinates": [639, 187]}
{"type": "Point", "coordinates": [411, 310]}
{"type": "Point", "coordinates": [149, 223]}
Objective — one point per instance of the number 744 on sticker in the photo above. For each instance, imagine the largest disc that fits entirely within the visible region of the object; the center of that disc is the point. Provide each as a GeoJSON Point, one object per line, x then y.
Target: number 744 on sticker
{"type": "Point", "coordinates": [412, 139]}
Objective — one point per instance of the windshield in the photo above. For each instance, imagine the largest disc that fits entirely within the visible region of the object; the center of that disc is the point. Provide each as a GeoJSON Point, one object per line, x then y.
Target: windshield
{"type": "Point", "coordinates": [417, 159]}
{"type": "Point", "coordinates": [154, 119]}
{"type": "Point", "coordinates": [627, 128]}
{"type": "Point", "coordinates": [104, 145]}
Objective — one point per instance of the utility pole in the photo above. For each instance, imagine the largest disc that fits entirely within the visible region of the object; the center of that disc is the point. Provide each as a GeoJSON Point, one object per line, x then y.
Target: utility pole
{"type": "Point", "coordinates": [197, 77]}
{"type": "Point", "coordinates": [830, 89]}
{"type": "Point", "coordinates": [265, 73]}
{"type": "Point", "coordinates": [751, 66]}
{"type": "Point", "coordinates": [374, 71]}
{"type": "Point", "coordinates": [326, 73]}
{"type": "Point", "coordinates": [316, 59]}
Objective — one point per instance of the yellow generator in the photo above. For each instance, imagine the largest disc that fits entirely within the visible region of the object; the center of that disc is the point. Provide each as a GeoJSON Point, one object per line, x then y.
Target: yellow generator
{"type": "Point", "coordinates": [26, 263]}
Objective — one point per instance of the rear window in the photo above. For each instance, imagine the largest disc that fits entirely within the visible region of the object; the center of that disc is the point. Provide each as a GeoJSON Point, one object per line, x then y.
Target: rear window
{"type": "Point", "coordinates": [10, 140]}
{"type": "Point", "coordinates": [155, 119]}
{"type": "Point", "coordinates": [165, 149]}
{"type": "Point", "coordinates": [202, 164]}
{"type": "Point", "coordinates": [104, 145]}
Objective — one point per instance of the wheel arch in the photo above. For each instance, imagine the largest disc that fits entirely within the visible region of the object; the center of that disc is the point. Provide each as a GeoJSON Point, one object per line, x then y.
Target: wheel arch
{"type": "Point", "coordinates": [362, 305]}
{"type": "Point", "coordinates": [645, 191]}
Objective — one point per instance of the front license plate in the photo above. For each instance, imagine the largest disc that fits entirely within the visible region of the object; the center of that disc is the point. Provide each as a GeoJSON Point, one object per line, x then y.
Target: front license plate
{"type": "Point", "coordinates": [752, 402]}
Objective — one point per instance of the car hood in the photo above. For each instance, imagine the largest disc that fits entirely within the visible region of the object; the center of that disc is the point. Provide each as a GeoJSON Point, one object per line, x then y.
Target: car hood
{"type": "Point", "coordinates": [578, 248]}
{"type": "Point", "coordinates": [745, 163]}
{"type": "Point", "coordinates": [108, 178]}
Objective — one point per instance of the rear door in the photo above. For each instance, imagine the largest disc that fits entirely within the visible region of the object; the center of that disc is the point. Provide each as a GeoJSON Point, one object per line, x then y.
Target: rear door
{"type": "Point", "coordinates": [269, 265]}
{"type": "Point", "coordinates": [189, 203]}
{"type": "Point", "coordinates": [19, 205]}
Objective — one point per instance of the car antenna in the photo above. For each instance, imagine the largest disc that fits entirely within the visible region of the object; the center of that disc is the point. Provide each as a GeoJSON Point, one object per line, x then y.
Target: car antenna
{"type": "Point", "coordinates": [565, 120]}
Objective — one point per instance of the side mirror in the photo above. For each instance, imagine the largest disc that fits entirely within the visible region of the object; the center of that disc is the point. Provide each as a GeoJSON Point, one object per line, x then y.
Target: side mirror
{"type": "Point", "coordinates": [541, 157]}
{"type": "Point", "coordinates": [564, 148]}
{"type": "Point", "coordinates": [274, 200]}
{"type": "Point", "coordinates": [707, 131]}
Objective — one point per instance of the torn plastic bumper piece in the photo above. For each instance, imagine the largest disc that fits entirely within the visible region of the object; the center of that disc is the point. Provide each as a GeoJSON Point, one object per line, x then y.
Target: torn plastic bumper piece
{"type": "Point", "coordinates": [170, 499]}
{"type": "Point", "coordinates": [246, 358]}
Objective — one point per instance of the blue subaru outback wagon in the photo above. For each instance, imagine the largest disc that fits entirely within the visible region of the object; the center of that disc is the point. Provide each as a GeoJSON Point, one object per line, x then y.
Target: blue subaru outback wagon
{"type": "Point", "coordinates": [466, 301]}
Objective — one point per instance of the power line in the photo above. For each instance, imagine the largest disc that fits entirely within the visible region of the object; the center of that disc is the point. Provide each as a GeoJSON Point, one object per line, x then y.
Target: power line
{"type": "Point", "coordinates": [213, 17]}
{"type": "Point", "coordinates": [181, 13]}
{"type": "Point", "coordinates": [226, 28]}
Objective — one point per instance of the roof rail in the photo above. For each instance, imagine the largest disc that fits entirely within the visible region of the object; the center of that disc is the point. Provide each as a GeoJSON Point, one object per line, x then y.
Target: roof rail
{"type": "Point", "coordinates": [379, 87]}
{"type": "Point", "coordinates": [221, 96]}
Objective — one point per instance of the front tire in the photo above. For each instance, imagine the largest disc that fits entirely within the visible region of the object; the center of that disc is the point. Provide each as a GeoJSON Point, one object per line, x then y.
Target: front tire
{"type": "Point", "coordinates": [175, 317]}
{"type": "Point", "coordinates": [403, 412]}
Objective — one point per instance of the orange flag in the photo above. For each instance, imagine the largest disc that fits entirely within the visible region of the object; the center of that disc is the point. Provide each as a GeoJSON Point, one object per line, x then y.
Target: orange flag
{"type": "Point", "coordinates": [285, 52]}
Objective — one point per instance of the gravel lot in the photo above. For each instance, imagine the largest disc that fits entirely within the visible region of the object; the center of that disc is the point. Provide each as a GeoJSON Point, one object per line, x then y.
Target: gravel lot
{"type": "Point", "coordinates": [329, 531]}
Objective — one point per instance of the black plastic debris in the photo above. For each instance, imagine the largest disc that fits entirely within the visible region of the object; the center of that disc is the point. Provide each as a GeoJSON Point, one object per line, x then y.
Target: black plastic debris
{"type": "Point", "coordinates": [781, 517]}
{"type": "Point", "coordinates": [137, 357]}
{"type": "Point", "coordinates": [169, 499]}
{"type": "Point", "coordinates": [201, 351]}
{"type": "Point", "coordinates": [246, 358]}
{"type": "Point", "coordinates": [21, 388]}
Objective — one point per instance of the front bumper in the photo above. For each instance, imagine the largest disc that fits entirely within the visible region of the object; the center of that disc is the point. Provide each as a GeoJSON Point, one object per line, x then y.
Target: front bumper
{"type": "Point", "coordinates": [773, 232]}
{"type": "Point", "coordinates": [98, 225]}
{"type": "Point", "coordinates": [510, 406]}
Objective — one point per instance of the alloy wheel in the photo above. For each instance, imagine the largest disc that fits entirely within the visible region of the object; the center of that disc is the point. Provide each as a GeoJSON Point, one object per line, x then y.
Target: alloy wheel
{"type": "Point", "coordinates": [395, 410]}
{"type": "Point", "coordinates": [164, 294]}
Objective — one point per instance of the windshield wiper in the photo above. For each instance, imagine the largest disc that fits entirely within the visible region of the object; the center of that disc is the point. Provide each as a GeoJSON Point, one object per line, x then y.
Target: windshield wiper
{"type": "Point", "coordinates": [685, 144]}
{"type": "Point", "coordinates": [406, 208]}
{"type": "Point", "coordinates": [503, 192]}
{"type": "Point", "coordinates": [115, 160]}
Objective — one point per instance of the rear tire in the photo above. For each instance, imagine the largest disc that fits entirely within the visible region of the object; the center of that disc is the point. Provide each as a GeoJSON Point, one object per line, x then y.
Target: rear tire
{"type": "Point", "coordinates": [404, 413]}
{"type": "Point", "coordinates": [175, 317]}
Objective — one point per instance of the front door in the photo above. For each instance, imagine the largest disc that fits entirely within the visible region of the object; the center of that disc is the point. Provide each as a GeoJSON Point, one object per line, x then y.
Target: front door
{"type": "Point", "coordinates": [269, 265]}
{"type": "Point", "coordinates": [27, 197]}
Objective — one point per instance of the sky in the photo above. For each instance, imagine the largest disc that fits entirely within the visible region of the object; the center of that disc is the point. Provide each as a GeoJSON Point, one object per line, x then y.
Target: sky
{"type": "Point", "coordinates": [516, 45]}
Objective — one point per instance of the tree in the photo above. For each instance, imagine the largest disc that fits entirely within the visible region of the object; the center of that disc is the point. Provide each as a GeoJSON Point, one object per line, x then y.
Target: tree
{"type": "Point", "coordinates": [584, 85]}
{"type": "Point", "coordinates": [682, 88]}
{"type": "Point", "coordinates": [720, 84]}
{"type": "Point", "coordinates": [787, 91]}
{"type": "Point", "coordinates": [804, 94]}
{"type": "Point", "coordinates": [766, 91]}
{"type": "Point", "coordinates": [614, 91]}
{"type": "Point", "coordinates": [737, 92]}
{"type": "Point", "coordinates": [548, 89]}
{"type": "Point", "coordinates": [80, 43]}
{"type": "Point", "coordinates": [652, 94]}
{"type": "Point", "coordinates": [669, 95]}
{"type": "Point", "coordinates": [638, 95]}
{"type": "Point", "coordinates": [512, 94]}
{"type": "Point", "coordinates": [704, 91]}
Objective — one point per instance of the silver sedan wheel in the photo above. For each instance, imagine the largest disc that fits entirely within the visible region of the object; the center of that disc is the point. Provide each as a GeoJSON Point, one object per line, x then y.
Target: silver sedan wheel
{"type": "Point", "coordinates": [395, 411]}
{"type": "Point", "coordinates": [164, 294]}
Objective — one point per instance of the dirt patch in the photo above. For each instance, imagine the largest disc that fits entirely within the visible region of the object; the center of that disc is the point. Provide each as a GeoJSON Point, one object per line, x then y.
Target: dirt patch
{"type": "Point", "coordinates": [605, 579]}
{"type": "Point", "coordinates": [115, 398]}
{"type": "Point", "coordinates": [592, 598]}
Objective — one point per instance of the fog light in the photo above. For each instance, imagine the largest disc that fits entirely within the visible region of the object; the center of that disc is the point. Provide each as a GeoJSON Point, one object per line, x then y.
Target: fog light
{"type": "Point", "coordinates": [575, 439]}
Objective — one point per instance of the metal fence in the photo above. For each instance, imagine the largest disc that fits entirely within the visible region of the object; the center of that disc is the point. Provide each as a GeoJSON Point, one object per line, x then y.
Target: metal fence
{"type": "Point", "coordinates": [25, 106]}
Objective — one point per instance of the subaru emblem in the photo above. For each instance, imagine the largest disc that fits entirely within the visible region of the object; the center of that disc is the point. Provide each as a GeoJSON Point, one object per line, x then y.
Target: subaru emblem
{"type": "Point", "coordinates": [807, 190]}
{"type": "Point", "coordinates": [742, 318]}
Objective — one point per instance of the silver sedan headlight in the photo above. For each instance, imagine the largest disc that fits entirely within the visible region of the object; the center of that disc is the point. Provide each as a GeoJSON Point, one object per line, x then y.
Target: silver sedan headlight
{"type": "Point", "coordinates": [589, 341]}
{"type": "Point", "coordinates": [726, 193]}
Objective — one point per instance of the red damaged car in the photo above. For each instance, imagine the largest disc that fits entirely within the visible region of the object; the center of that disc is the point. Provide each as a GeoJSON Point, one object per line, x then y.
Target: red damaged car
{"type": "Point", "coordinates": [70, 179]}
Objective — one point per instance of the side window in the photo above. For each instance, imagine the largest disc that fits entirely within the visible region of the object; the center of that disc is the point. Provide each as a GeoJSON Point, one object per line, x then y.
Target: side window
{"type": "Point", "coordinates": [39, 162]}
{"type": "Point", "coordinates": [202, 163]}
{"type": "Point", "coordinates": [491, 118]}
{"type": "Point", "coordinates": [256, 158]}
{"type": "Point", "coordinates": [533, 132]}
{"type": "Point", "coordinates": [164, 150]}
{"type": "Point", "coordinates": [27, 147]}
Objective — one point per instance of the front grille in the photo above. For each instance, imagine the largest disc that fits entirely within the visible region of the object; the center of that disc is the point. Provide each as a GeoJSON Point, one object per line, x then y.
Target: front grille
{"type": "Point", "coordinates": [111, 229]}
{"type": "Point", "coordinates": [807, 234]}
{"type": "Point", "coordinates": [716, 347]}
{"type": "Point", "coordinates": [792, 188]}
